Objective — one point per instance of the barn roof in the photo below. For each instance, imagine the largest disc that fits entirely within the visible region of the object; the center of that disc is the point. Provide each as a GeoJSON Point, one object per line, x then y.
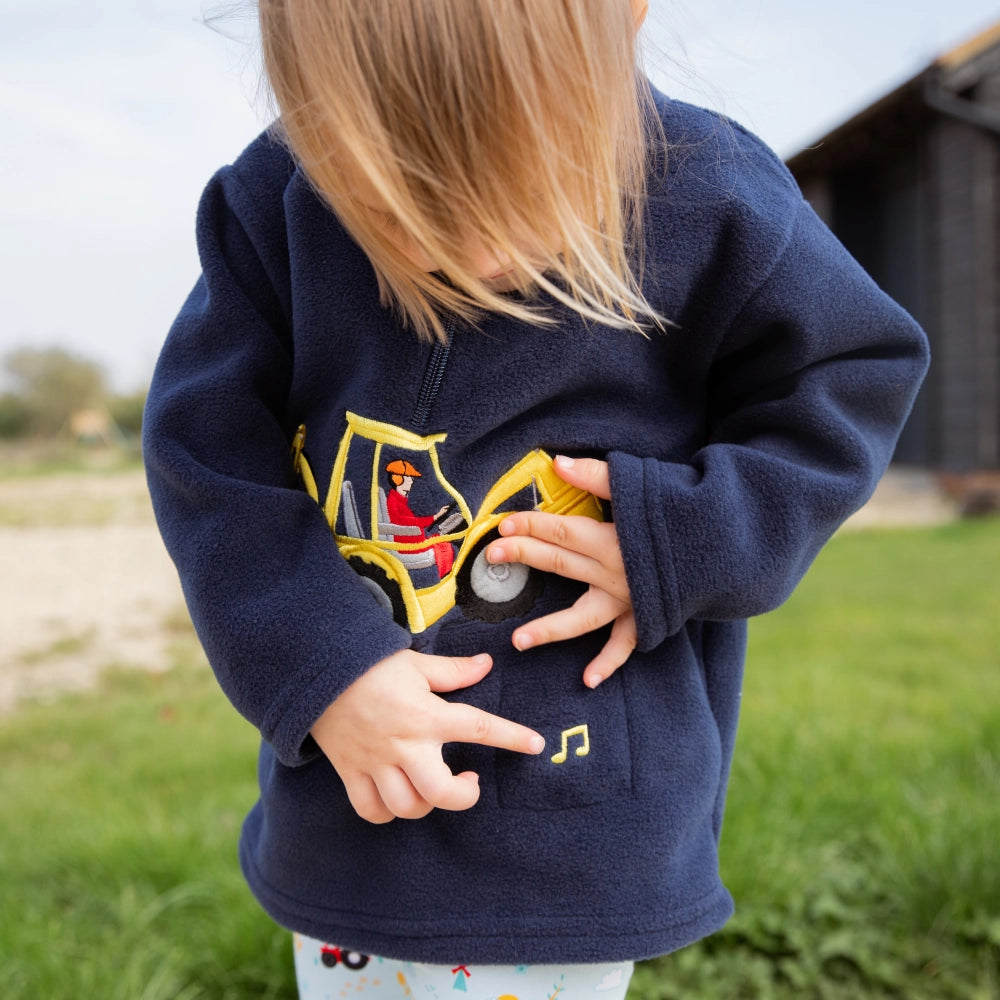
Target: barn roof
{"type": "Point", "coordinates": [942, 87]}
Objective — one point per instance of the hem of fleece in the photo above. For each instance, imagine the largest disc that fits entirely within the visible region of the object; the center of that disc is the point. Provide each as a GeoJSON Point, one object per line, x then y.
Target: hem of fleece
{"type": "Point", "coordinates": [520, 940]}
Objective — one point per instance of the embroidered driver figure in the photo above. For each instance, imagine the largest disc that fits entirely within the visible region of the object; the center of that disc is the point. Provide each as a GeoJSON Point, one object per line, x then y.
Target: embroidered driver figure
{"type": "Point", "coordinates": [401, 476]}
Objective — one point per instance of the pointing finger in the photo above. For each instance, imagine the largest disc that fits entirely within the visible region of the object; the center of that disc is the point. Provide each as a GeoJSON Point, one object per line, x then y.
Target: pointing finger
{"type": "Point", "coordinates": [467, 724]}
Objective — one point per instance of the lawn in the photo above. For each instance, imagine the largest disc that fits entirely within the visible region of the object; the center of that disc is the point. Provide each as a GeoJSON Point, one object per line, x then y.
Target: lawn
{"type": "Point", "coordinates": [861, 841]}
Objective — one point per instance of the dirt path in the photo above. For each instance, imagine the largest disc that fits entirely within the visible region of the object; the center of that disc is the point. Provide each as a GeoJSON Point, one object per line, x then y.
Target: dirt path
{"type": "Point", "coordinates": [84, 583]}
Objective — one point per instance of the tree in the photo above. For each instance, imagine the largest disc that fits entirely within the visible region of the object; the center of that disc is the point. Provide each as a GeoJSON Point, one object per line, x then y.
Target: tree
{"type": "Point", "coordinates": [126, 411]}
{"type": "Point", "coordinates": [15, 420]}
{"type": "Point", "coordinates": [52, 384]}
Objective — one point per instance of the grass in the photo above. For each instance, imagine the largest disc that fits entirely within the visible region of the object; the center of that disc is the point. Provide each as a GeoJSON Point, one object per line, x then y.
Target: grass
{"type": "Point", "coordinates": [861, 838]}
{"type": "Point", "coordinates": [860, 842]}
{"type": "Point", "coordinates": [34, 458]}
{"type": "Point", "coordinates": [119, 813]}
{"type": "Point", "coordinates": [66, 645]}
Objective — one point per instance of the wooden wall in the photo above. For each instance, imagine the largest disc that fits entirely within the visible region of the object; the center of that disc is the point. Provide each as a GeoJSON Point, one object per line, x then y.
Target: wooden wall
{"type": "Point", "coordinates": [917, 201]}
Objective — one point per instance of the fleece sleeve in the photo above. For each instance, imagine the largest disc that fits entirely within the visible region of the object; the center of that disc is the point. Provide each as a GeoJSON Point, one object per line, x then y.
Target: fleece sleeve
{"type": "Point", "coordinates": [808, 391]}
{"type": "Point", "coordinates": [284, 621]}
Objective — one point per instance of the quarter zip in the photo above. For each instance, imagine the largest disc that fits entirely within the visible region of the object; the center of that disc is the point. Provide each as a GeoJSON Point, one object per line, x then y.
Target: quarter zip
{"type": "Point", "coordinates": [433, 377]}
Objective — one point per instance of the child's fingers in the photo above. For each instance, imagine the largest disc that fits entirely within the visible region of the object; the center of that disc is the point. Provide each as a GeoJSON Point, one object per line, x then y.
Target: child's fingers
{"type": "Point", "coordinates": [366, 800]}
{"type": "Point", "coordinates": [450, 673]}
{"type": "Point", "coordinates": [592, 611]}
{"type": "Point", "coordinates": [458, 723]}
{"type": "Point", "coordinates": [439, 788]}
{"type": "Point", "coordinates": [399, 795]}
{"type": "Point", "coordinates": [590, 474]}
{"type": "Point", "coordinates": [619, 647]}
{"type": "Point", "coordinates": [384, 735]}
{"type": "Point", "coordinates": [547, 550]}
{"type": "Point", "coordinates": [577, 548]}
{"type": "Point", "coordinates": [567, 531]}
{"type": "Point", "coordinates": [412, 793]}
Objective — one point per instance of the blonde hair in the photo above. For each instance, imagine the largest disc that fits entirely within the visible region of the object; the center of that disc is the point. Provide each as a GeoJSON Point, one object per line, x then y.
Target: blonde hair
{"type": "Point", "coordinates": [520, 124]}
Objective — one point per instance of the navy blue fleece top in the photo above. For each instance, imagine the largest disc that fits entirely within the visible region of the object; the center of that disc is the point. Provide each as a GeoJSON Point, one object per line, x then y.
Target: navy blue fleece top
{"type": "Point", "coordinates": [738, 439]}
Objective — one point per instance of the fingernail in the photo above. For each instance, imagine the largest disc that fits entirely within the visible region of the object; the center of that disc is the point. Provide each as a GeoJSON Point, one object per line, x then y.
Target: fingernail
{"type": "Point", "coordinates": [495, 554]}
{"type": "Point", "coordinates": [537, 744]}
{"type": "Point", "coordinates": [523, 641]}
{"type": "Point", "coordinates": [565, 462]}
{"type": "Point", "coordinates": [482, 659]}
{"type": "Point", "coordinates": [593, 680]}
{"type": "Point", "coordinates": [506, 526]}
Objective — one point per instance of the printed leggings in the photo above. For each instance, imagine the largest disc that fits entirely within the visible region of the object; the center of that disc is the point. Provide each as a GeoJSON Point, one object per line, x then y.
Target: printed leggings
{"type": "Point", "coordinates": [326, 972]}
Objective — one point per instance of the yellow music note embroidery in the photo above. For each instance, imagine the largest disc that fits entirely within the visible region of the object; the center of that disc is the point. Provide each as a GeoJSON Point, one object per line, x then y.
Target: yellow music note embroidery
{"type": "Point", "coordinates": [582, 751]}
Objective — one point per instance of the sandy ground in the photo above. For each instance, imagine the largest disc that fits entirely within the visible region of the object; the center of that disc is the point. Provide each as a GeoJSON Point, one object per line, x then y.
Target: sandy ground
{"type": "Point", "coordinates": [85, 583]}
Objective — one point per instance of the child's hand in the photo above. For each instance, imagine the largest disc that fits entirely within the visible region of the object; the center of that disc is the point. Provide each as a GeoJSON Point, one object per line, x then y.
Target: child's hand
{"type": "Point", "coordinates": [384, 735]}
{"type": "Point", "coordinates": [582, 549]}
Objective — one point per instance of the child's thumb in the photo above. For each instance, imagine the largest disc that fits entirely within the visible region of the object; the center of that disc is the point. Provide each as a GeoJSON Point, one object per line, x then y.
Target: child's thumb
{"type": "Point", "coordinates": [590, 474]}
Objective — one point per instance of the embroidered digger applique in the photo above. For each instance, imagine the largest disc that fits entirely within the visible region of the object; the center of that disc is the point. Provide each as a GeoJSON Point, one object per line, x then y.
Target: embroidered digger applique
{"type": "Point", "coordinates": [419, 565]}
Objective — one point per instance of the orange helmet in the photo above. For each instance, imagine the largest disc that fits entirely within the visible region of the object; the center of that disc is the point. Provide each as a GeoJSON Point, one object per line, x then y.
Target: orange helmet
{"type": "Point", "coordinates": [400, 468]}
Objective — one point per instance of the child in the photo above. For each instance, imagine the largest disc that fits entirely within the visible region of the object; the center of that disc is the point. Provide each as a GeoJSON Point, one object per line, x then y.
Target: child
{"type": "Point", "coordinates": [476, 239]}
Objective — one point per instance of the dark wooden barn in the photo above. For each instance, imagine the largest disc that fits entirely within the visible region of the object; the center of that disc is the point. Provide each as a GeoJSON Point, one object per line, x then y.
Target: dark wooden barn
{"type": "Point", "coordinates": [911, 185]}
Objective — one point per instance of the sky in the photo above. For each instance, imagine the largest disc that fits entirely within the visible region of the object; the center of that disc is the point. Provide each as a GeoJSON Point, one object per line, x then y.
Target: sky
{"type": "Point", "coordinates": [115, 114]}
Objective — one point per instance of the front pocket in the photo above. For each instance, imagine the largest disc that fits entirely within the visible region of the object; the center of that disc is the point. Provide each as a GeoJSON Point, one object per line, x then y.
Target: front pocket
{"type": "Point", "coordinates": [587, 757]}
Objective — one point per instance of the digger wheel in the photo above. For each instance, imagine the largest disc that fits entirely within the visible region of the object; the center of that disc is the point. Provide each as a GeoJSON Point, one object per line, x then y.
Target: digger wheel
{"type": "Point", "coordinates": [382, 587]}
{"type": "Point", "coordinates": [492, 592]}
